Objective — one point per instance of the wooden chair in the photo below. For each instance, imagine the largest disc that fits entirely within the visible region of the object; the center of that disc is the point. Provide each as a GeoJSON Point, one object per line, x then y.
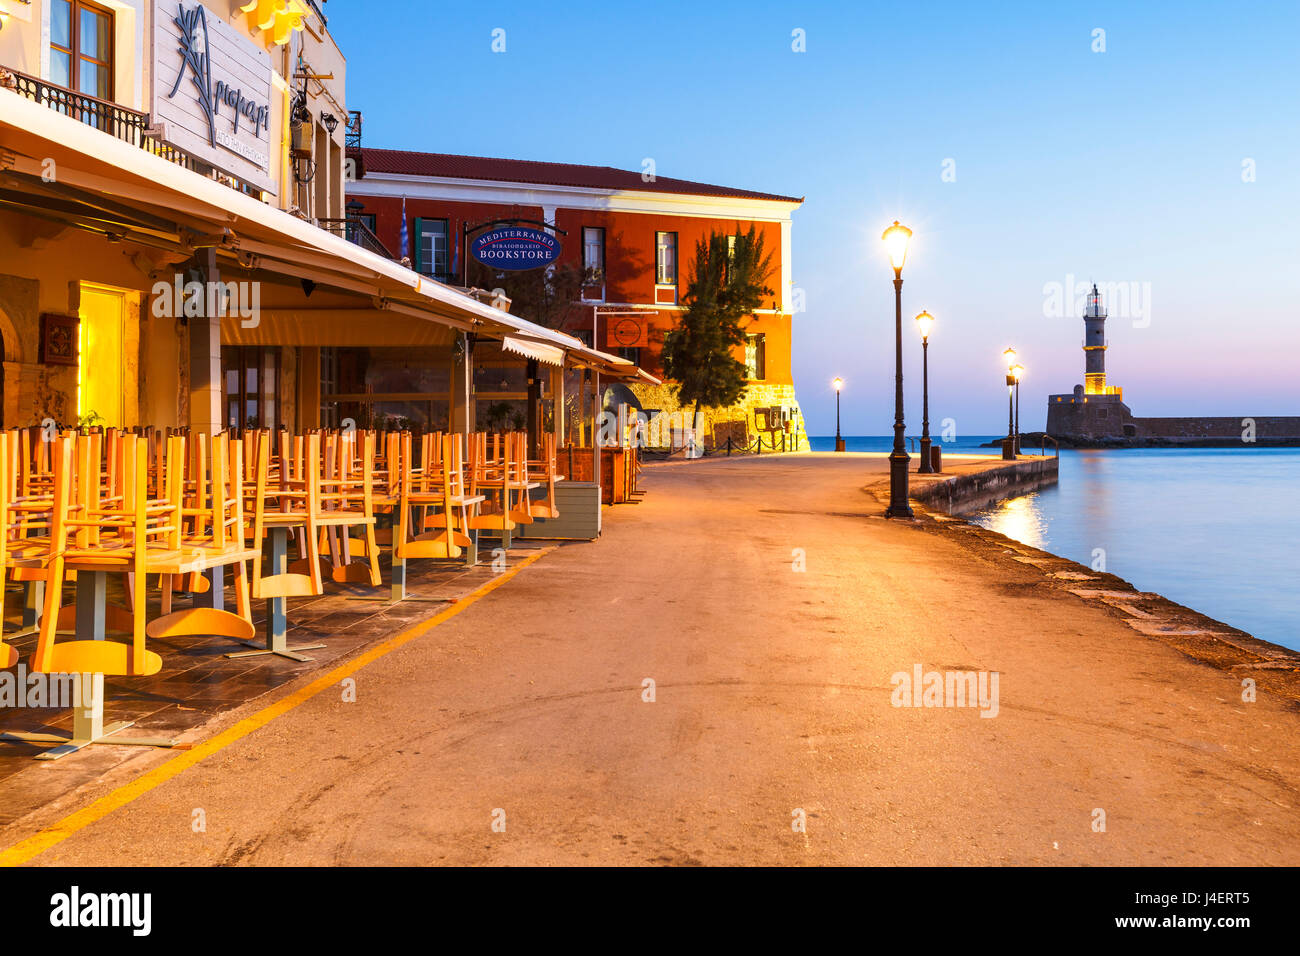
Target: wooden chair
{"type": "Point", "coordinates": [442, 489]}
{"type": "Point", "coordinates": [347, 501]}
{"type": "Point", "coordinates": [136, 537]}
{"type": "Point", "coordinates": [292, 505]}
{"type": "Point", "coordinates": [544, 471]}
{"type": "Point", "coordinates": [213, 538]}
{"type": "Point", "coordinates": [501, 472]}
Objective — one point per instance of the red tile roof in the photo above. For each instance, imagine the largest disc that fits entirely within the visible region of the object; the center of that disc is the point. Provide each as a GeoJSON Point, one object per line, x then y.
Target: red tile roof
{"type": "Point", "coordinates": [551, 174]}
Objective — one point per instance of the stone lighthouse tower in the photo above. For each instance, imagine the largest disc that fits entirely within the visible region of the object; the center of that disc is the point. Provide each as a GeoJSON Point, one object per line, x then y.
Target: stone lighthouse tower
{"type": "Point", "coordinates": [1094, 345]}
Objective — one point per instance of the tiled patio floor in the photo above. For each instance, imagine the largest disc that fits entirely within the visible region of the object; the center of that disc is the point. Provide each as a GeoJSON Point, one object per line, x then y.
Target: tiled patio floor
{"type": "Point", "coordinates": [198, 682]}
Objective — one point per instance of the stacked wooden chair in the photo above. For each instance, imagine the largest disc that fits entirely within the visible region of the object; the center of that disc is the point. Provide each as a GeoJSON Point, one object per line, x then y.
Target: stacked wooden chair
{"type": "Point", "coordinates": [437, 490]}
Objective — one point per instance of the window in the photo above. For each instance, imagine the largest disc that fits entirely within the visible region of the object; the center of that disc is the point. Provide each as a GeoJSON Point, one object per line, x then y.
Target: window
{"type": "Point", "coordinates": [593, 251]}
{"type": "Point", "coordinates": [81, 47]}
{"type": "Point", "coordinates": [250, 377]}
{"type": "Point", "coordinates": [593, 264]}
{"type": "Point", "coordinates": [756, 357]}
{"type": "Point", "coordinates": [666, 258]}
{"type": "Point", "coordinates": [431, 247]}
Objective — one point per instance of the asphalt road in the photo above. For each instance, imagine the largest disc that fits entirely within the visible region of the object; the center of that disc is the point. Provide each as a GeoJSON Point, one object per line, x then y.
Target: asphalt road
{"type": "Point", "coordinates": [772, 705]}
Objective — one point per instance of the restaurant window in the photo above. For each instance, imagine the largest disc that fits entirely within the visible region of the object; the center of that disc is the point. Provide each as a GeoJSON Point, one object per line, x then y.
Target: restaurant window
{"type": "Point", "coordinates": [250, 377]}
{"type": "Point", "coordinates": [81, 47]}
{"type": "Point", "coordinates": [666, 258]}
{"type": "Point", "coordinates": [756, 357]}
{"type": "Point", "coordinates": [329, 385]}
{"type": "Point", "coordinates": [387, 388]}
{"type": "Point", "coordinates": [431, 247]}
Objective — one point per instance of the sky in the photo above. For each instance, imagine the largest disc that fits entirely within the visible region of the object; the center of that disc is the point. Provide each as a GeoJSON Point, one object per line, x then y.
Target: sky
{"type": "Point", "coordinates": [1029, 153]}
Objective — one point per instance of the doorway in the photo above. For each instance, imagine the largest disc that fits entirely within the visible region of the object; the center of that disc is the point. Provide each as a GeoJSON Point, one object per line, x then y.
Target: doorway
{"type": "Point", "coordinates": [101, 397]}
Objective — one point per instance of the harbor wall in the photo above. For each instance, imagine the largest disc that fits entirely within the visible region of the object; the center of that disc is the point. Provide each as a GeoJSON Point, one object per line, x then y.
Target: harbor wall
{"type": "Point", "coordinates": [966, 492]}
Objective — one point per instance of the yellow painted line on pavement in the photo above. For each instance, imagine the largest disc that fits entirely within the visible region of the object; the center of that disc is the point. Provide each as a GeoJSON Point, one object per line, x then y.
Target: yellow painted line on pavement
{"type": "Point", "coordinates": [55, 834]}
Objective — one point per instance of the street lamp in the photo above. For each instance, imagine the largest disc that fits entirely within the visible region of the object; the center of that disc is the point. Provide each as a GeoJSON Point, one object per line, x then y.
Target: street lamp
{"type": "Point", "coordinates": [1009, 443]}
{"type": "Point", "coordinates": [1018, 371]}
{"type": "Point", "coordinates": [924, 323]}
{"type": "Point", "coordinates": [839, 442]}
{"type": "Point", "coordinates": [896, 238]}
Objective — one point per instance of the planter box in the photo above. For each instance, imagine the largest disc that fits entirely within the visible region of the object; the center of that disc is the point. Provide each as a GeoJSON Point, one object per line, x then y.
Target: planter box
{"type": "Point", "coordinates": [579, 506]}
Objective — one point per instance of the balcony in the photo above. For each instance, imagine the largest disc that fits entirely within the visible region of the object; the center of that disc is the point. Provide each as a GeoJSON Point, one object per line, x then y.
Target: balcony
{"type": "Point", "coordinates": [356, 232]}
{"type": "Point", "coordinates": [121, 123]}
{"type": "Point", "coordinates": [117, 121]}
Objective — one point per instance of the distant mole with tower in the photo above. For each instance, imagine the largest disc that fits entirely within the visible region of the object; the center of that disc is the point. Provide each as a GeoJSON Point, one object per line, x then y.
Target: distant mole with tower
{"type": "Point", "coordinates": [1094, 414]}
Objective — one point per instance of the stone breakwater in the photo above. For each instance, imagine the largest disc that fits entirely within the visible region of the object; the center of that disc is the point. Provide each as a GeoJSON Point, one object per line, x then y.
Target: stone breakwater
{"type": "Point", "coordinates": [967, 491]}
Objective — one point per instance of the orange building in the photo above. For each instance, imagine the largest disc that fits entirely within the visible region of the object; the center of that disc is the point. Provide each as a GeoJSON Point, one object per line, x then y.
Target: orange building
{"type": "Point", "coordinates": [636, 233]}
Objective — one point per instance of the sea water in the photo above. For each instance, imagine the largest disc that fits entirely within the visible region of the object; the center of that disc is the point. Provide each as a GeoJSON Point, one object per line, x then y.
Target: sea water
{"type": "Point", "coordinates": [1215, 529]}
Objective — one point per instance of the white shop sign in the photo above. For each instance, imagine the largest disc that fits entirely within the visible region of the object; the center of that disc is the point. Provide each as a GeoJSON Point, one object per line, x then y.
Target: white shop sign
{"type": "Point", "coordinates": [212, 91]}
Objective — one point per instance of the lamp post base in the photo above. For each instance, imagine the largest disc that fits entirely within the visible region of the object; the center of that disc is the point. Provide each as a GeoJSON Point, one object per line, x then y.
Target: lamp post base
{"type": "Point", "coordinates": [839, 443]}
{"type": "Point", "coordinates": [898, 503]}
{"type": "Point", "coordinates": [927, 460]}
{"type": "Point", "coordinates": [1008, 449]}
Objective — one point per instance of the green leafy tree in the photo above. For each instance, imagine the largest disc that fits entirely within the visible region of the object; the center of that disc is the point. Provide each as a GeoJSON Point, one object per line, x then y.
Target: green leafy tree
{"type": "Point", "coordinates": [728, 281]}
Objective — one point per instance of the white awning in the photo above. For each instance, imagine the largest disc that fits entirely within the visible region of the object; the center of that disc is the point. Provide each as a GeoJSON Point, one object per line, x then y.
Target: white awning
{"type": "Point", "coordinates": [533, 350]}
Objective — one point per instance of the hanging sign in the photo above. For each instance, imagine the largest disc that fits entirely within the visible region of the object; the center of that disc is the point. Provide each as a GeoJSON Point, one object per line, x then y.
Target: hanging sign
{"type": "Point", "coordinates": [626, 332]}
{"type": "Point", "coordinates": [515, 247]}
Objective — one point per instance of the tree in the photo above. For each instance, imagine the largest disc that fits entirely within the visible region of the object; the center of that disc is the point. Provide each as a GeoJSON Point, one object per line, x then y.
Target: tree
{"type": "Point", "coordinates": [541, 295]}
{"type": "Point", "coordinates": [727, 282]}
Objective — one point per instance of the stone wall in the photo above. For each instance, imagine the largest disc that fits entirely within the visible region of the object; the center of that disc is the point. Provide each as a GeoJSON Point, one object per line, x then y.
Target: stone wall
{"type": "Point", "coordinates": [740, 422]}
{"type": "Point", "coordinates": [1110, 423]}
{"type": "Point", "coordinates": [1266, 427]}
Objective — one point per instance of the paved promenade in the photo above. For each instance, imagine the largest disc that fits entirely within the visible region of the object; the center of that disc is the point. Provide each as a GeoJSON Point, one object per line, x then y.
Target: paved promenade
{"type": "Point", "coordinates": [771, 706]}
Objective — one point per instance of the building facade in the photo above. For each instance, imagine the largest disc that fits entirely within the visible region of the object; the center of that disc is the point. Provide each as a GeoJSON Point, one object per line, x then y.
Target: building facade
{"type": "Point", "coordinates": [175, 249]}
{"type": "Point", "coordinates": [247, 94]}
{"type": "Point", "coordinates": [631, 235]}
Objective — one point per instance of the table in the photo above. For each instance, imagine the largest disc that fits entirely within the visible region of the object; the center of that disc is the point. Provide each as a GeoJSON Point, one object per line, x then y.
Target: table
{"type": "Point", "coordinates": [88, 701]}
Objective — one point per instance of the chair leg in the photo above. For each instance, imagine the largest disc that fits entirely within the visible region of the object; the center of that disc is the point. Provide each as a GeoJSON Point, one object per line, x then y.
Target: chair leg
{"type": "Point", "coordinates": [243, 607]}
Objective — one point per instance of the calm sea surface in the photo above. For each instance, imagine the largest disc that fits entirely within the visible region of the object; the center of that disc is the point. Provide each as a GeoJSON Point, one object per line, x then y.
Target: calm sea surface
{"type": "Point", "coordinates": [1215, 529]}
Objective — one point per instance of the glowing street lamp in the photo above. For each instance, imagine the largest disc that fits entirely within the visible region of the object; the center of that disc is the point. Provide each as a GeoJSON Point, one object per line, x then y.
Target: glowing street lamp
{"type": "Point", "coordinates": [896, 239]}
{"type": "Point", "coordinates": [924, 323]}
{"type": "Point", "coordinates": [839, 384]}
{"type": "Point", "coordinates": [1009, 443]}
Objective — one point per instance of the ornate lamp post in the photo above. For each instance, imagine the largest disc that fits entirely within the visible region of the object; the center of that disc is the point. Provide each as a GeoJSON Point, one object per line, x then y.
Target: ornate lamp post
{"type": "Point", "coordinates": [896, 238]}
{"type": "Point", "coordinates": [1009, 443]}
{"type": "Point", "coordinates": [839, 442]}
{"type": "Point", "coordinates": [1018, 371]}
{"type": "Point", "coordinates": [924, 323]}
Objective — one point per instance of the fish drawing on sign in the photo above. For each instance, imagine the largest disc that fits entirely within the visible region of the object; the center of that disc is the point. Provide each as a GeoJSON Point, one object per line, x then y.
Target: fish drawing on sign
{"type": "Point", "coordinates": [193, 48]}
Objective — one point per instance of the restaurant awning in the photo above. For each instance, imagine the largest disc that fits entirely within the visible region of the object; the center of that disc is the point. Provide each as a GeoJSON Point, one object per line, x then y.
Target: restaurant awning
{"type": "Point", "coordinates": [533, 350]}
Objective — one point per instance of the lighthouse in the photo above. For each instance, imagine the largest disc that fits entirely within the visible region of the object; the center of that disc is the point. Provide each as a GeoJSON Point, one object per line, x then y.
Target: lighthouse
{"type": "Point", "coordinates": [1094, 345]}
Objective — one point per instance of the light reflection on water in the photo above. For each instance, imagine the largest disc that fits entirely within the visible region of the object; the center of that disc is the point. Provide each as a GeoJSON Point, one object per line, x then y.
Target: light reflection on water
{"type": "Point", "coordinates": [1214, 529]}
{"type": "Point", "coordinates": [1019, 518]}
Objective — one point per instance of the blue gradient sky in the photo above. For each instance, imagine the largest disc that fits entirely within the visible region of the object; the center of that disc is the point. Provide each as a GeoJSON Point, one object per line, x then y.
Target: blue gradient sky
{"type": "Point", "coordinates": [1122, 166]}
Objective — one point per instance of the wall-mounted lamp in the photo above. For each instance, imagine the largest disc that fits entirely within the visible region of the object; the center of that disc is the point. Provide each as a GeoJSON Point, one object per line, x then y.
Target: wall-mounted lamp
{"type": "Point", "coordinates": [331, 122]}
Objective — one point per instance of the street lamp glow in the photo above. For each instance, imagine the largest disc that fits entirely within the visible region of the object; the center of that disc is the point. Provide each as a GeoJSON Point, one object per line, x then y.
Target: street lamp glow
{"type": "Point", "coordinates": [1010, 356]}
{"type": "Point", "coordinates": [1017, 371]}
{"type": "Point", "coordinates": [896, 238]}
{"type": "Point", "coordinates": [924, 323]}
{"type": "Point", "coordinates": [838, 383]}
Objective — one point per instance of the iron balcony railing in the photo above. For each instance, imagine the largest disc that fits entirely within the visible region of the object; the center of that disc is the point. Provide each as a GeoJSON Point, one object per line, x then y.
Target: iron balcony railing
{"type": "Point", "coordinates": [117, 121]}
{"type": "Point", "coordinates": [356, 232]}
